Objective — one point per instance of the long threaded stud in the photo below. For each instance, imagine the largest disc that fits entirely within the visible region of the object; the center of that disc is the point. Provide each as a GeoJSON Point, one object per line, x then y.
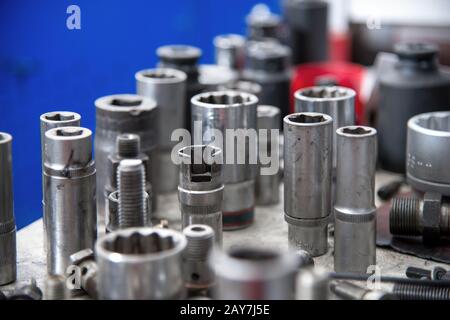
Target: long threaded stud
{"type": "Point", "coordinates": [404, 218]}
{"type": "Point", "coordinates": [132, 197]}
{"type": "Point", "coordinates": [128, 145]}
{"type": "Point", "coordinates": [405, 291]}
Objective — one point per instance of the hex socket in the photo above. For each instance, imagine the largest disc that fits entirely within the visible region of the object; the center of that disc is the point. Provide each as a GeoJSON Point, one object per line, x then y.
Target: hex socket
{"type": "Point", "coordinates": [337, 102]}
{"type": "Point", "coordinates": [254, 274]}
{"type": "Point", "coordinates": [200, 191]}
{"type": "Point", "coordinates": [307, 179]}
{"type": "Point", "coordinates": [354, 209]}
{"type": "Point", "coordinates": [220, 114]}
{"type": "Point", "coordinates": [167, 87]}
{"type": "Point", "coordinates": [70, 215]}
{"type": "Point", "coordinates": [230, 51]}
{"type": "Point", "coordinates": [140, 264]}
{"type": "Point", "coordinates": [117, 114]}
{"type": "Point", "coordinates": [8, 251]}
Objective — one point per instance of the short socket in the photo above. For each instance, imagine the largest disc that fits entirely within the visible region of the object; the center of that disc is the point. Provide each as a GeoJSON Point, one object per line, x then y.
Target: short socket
{"type": "Point", "coordinates": [428, 147]}
{"type": "Point", "coordinates": [117, 114]}
{"type": "Point", "coordinates": [263, 24]}
{"type": "Point", "coordinates": [307, 177]}
{"type": "Point", "coordinates": [254, 274]}
{"type": "Point", "coordinates": [200, 191]}
{"type": "Point", "coordinates": [70, 214]}
{"type": "Point", "coordinates": [198, 274]}
{"type": "Point", "coordinates": [224, 113]}
{"type": "Point", "coordinates": [140, 264]}
{"type": "Point", "coordinates": [354, 209]}
{"type": "Point", "coordinates": [337, 102]}
{"type": "Point", "coordinates": [267, 185]}
{"type": "Point", "coordinates": [243, 86]}
{"type": "Point", "coordinates": [167, 87]}
{"type": "Point", "coordinates": [313, 284]}
{"type": "Point", "coordinates": [8, 251]}
{"type": "Point", "coordinates": [230, 51]}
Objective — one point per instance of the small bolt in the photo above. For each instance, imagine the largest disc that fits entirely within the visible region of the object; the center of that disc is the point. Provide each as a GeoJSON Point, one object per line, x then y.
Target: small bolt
{"type": "Point", "coordinates": [55, 288]}
{"type": "Point", "coordinates": [418, 273]}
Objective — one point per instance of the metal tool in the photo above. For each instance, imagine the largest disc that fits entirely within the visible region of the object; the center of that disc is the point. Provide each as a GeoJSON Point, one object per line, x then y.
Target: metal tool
{"type": "Point", "coordinates": [140, 264]}
{"type": "Point", "coordinates": [263, 24]}
{"type": "Point", "coordinates": [133, 209]}
{"type": "Point", "coordinates": [420, 292]}
{"type": "Point", "coordinates": [349, 291]}
{"type": "Point", "coordinates": [243, 86]}
{"type": "Point", "coordinates": [184, 58]}
{"type": "Point", "coordinates": [268, 64]}
{"type": "Point", "coordinates": [70, 215]}
{"type": "Point", "coordinates": [308, 155]}
{"type": "Point", "coordinates": [313, 284]}
{"type": "Point", "coordinates": [354, 209]}
{"type": "Point", "coordinates": [230, 51]}
{"type": "Point", "coordinates": [88, 270]}
{"type": "Point", "coordinates": [198, 274]}
{"type": "Point", "coordinates": [55, 288]}
{"type": "Point", "coordinates": [167, 87]}
{"type": "Point", "coordinates": [8, 251]}
{"type": "Point", "coordinates": [212, 76]}
{"type": "Point", "coordinates": [254, 274]}
{"type": "Point", "coordinates": [117, 114]}
{"type": "Point", "coordinates": [267, 185]}
{"type": "Point", "coordinates": [305, 259]}
{"type": "Point", "coordinates": [235, 112]}
{"type": "Point", "coordinates": [428, 151]}
{"type": "Point", "coordinates": [201, 187]}
{"type": "Point", "coordinates": [429, 218]}
{"type": "Point", "coordinates": [27, 292]}
{"type": "Point", "coordinates": [337, 102]}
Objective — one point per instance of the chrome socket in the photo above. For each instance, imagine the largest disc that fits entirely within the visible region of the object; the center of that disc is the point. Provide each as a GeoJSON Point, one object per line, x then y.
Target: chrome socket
{"type": "Point", "coordinates": [200, 191]}
{"type": "Point", "coordinates": [307, 180]}
{"type": "Point", "coordinates": [140, 264]}
{"type": "Point", "coordinates": [70, 215]}
{"type": "Point", "coordinates": [230, 51]}
{"type": "Point", "coordinates": [354, 209]}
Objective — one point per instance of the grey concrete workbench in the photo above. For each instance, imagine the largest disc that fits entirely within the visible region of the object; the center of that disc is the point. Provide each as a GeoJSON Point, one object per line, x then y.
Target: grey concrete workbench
{"type": "Point", "coordinates": [268, 230]}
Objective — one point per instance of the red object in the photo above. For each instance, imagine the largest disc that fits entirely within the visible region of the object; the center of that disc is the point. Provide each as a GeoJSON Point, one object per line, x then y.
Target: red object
{"type": "Point", "coordinates": [340, 46]}
{"type": "Point", "coordinates": [346, 74]}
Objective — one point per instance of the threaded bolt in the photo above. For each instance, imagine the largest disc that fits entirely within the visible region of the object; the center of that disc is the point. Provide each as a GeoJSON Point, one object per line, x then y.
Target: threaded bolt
{"type": "Point", "coordinates": [200, 240]}
{"type": "Point", "coordinates": [128, 145]}
{"type": "Point", "coordinates": [132, 196]}
{"type": "Point", "coordinates": [406, 291]}
{"type": "Point", "coordinates": [404, 218]}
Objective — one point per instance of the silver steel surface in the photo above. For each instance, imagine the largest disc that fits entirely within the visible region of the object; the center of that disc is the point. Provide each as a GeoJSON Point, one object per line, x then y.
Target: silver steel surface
{"type": "Point", "coordinates": [428, 152]}
{"type": "Point", "coordinates": [167, 87]}
{"type": "Point", "coordinates": [140, 264]}
{"type": "Point", "coordinates": [250, 273]}
{"type": "Point", "coordinates": [307, 179]}
{"type": "Point", "coordinates": [117, 114]}
{"type": "Point", "coordinates": [8, 251]}
{"type": "Point", "coordinates": [313, 284]}
{"type": "Point", "coordinates": [70, 215]}
{"type": "Point", "coordinates": [230, 51]}
{"type": "Point", "coordinates": [354, 209]}
{"type": "Point", "coordinates": [337, 102]}
{"type": "Point", "coordinates": [243, 86]}
{"type": "Point", "coordinates": [200, 191]}
{"type": "Point", "coordinates": [55, 288]}
{"type": "Point", "coordinates": [212, 76]}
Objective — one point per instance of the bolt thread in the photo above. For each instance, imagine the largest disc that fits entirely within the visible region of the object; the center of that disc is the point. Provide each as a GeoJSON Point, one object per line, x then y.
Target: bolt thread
{"type": "Point", "coordinates": [404, 217]}
{"type": "Point", "coordinates": [198, 244]}
{"type": "Point", "coordinates": [405, 291]}
{"type": "Point", "coordinates": [132, 195]}
{"type": "Point", "coordinates": [128, 145]}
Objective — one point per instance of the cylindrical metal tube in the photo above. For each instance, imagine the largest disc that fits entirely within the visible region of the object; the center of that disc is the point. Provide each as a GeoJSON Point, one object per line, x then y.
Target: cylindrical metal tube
{"type": "Point", "coordinates": [267, 185]}
{"type": "Point", "coordinates": [201, 187]}
{"type": "Point", "coordinates": [243, 86]}
{"type": "Point", "coordinates": [227, 116]}
{"type": "Point", "coordinates": [8, 251]}
{"type": "Point", "coordinates": [55, 288]}
{"type": "Point", "coordinates": [70, 215]}
{"type": "Point", "coordinates": [313, 284]}
{"type": "Point", "coordinates": [212, 76]}
{"type": "Point", "coordinates": [254, 274]}
{"type": "Point", "coordinates": [198, 274]}
{"type": "Point", "coordinates": [354, 209]}
{"type": "Point", "coordinates": [263, 24]}
{"type": "Point", "coordinates": [428, 151]}
{"type": "Point", "coordinates": [117, 114]}
{"type": "Point", "coordinates": [268, 64]}
{"type": "Point", "coordinates": [337, 102]}
{"type": "Point", "coordinates": [307, 179]}
{"type": "Point", "coordinates": [230, 51]}
{"type": "Point", "coordinates": [167, 87]}
{"type": "Point", "coordinates": [140, 264]}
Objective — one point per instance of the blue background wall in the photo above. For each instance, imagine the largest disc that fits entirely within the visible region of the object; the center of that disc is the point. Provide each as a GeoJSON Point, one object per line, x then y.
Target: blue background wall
{"type": "Point", "coordinates": [46, 67]}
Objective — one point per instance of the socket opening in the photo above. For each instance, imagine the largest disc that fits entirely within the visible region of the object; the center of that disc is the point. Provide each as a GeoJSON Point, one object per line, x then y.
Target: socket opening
{"type": "Point", "coordinates": [356, 130]}
{"type": "Point", "coordinates": [59, 117]}
{"type": "Point", "coordinates": [140, 244]}
{"type": "Point", "coordinates": [253, 255]}
{"type": "Point", "coordinates": [325, 92]}
{"type": "Point", "coordinates": [122, 102]}
{"type": "Point", "coordinates": [437, 121]}
{"type": "Point", "coordinates": [69, 132]}
{"type": "Point", "coordinates": [198, 229]}
{"type": "Point", "coordinates": [158, 74]}
{"type": "Point", "coordinates": [306, 118]}
{"type": "Point", "coordinates": [224, 98]}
